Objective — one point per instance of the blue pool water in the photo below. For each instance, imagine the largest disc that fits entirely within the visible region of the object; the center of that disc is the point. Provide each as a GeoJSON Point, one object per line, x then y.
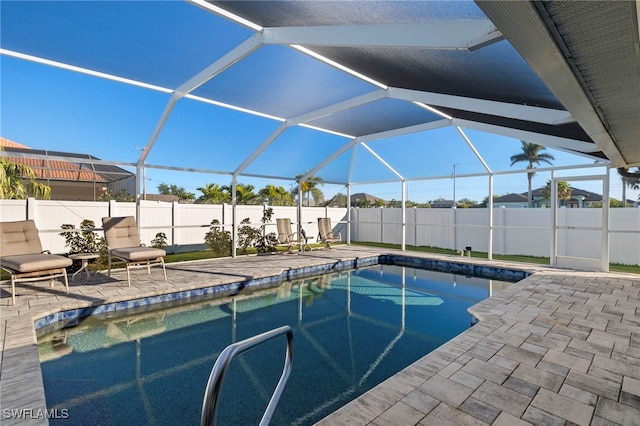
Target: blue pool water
{"type": "Point", "coordinates": [352, 330]}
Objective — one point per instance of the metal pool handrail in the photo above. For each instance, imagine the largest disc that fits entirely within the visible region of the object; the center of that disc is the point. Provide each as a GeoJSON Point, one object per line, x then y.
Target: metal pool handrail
{"type": "Point", "coordinates": [210, 402]}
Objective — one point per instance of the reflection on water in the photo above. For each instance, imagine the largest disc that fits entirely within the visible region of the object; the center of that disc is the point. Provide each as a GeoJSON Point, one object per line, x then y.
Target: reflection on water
{"type": "Point", "coordinates": [352, 330]}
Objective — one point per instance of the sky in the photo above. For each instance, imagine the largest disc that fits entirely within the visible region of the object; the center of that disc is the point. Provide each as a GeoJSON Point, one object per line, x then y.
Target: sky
{"type": "Point", "coordinates": [45, 107]}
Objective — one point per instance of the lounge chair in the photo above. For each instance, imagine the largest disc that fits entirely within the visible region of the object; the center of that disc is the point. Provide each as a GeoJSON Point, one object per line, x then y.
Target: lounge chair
{"type": "Point", "coordinates": [325, 232]}
{"type": "Point", "coordinates": [288, 238]}
{"type": "Point", "coordinates": [23, 257]}
{"type": "Point", "coordinates": [123, 243]}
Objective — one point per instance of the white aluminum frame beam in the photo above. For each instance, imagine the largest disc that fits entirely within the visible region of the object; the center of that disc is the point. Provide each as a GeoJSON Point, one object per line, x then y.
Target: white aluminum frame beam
{"type": "Point", "coordinates": [82, 70]}
{"type": "Point", "coordinates": [238, 53]}
{"type": "Point", "coordinates": [264, 145]}
{"type": "Point", "coordinates": [227, 60]}
{"type": "Point", "coordinates": [527, 32]}
{"type": "Point", "coordinates": [310, 116]}
{"type": "Point", "coordinates": [345, 105]}
{"type": "Point", "coordinates": [475, 151]}
{"type": "Point", "coordinates": [449, 35]}
{"type": "Point", "coordinates": [406, 130]}
{"type": "Point", "coordinates": [538, 138]}
{"type": "Point", "coordinates": [128, 81]}
{"type": "Point", "coordinates": [380, 159]}
{"type": "Point", "coordinates": [376, 136]}
{"type": "Point", "coordinates": [501, 109]}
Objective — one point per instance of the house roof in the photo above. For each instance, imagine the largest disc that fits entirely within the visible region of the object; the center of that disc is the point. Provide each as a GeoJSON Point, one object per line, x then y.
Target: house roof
{"type": "Point", "coordinates": [511, 198]}
{"type": "Point", "coordinates": [46, 168]}
{"type": "Point", "coordinates": [442, 204]}
{"type": "Point", "coordinates": [575, 192]}
{"type": "Point", "coordinates": [363, 196]}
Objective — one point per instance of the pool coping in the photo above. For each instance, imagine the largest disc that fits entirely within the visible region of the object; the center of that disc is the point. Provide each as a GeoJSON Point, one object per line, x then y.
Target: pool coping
{"type": "Point", "coordinates": [233, 288]}
{"type": "Point", "coordinates": [21, 374]}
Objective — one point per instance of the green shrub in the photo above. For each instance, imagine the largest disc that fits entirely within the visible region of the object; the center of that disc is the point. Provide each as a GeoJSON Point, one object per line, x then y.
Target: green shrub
{"type": "Point", "coordinates": [248, 236]}
{"type": "Point", "coordinates": [267, 242]}
{"type": "Point", "coordinates": [218, 240]}
{"type": "Point", "coordinates": [85, 241]}
{"type": "Point", "coordinates": [160, 241]}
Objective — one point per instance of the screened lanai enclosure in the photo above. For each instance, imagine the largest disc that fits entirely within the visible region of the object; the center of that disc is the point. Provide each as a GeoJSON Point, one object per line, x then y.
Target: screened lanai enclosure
{"type": "Point", "coordinates": [357, 92]}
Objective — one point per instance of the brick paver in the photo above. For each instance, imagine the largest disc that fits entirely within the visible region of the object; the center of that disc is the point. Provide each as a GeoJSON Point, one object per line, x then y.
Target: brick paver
{"type": "Point", "coordinates": [560, 347]}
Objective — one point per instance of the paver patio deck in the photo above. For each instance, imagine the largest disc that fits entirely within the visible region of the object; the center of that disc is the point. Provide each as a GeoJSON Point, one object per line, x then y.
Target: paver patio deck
{"type": "Point", "coordinates": [560, 347]}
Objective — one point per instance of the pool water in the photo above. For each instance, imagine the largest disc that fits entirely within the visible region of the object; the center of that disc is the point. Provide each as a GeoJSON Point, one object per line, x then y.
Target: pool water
{"type": "Point", "coordinates": [352, 330]}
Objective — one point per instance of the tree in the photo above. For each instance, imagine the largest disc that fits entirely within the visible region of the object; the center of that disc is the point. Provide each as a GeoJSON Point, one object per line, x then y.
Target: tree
{"type": "Point", "coordinates": [213, 193]}
{"type": "Point", "coordinates": [12, 185]}
{"type": "Point", "coordinates": [276, 195]}
{"type": "Point", "coordinates": [244, 194]}
{"type": "Point", "coordinates": [531, 154]}
{"type": "Point", "coordinates": [612, 203]}
{"type": "Point", "coordinates": [176, 190]}
{"type": "Point", "coordinates": [338, 200]}
{"type": "Point", "coordinates": [309, 187]}
{"type": "Point", "coordinates": [363, 203]}
{"type": "Point", "coordinates": [564, 190]}
{"type": "Point", "coordinates": [380, 203]}
{"type": "Point", "coordinates": [628, 181]}
{"type": "Point", "coordinates": [485, 200]}
{"type": "Point", "coordinates": [120, 196]}
{"type": "Point", "coordinates": [465, 203]}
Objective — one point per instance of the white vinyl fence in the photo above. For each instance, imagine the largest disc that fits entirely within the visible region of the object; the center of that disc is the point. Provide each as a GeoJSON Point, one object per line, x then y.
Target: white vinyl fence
{"type": "Point", "coordinates": [516, 231]}
{"type": "Point", "coordinates": [185, 225]}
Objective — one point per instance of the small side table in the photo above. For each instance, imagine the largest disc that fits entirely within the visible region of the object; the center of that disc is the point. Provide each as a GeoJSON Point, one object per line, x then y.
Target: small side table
{"type": "Point", "coordinates": [304, 244]}
{"type": "Point", "coordinates": [84, 258]}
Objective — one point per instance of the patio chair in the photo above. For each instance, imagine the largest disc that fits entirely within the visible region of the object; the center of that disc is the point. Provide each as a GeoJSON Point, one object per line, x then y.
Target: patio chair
{"type": "Point", "coordinates": [22, 256]}
{"type": "Point", "coordinates": [325, 232]}
{"type": "Point", "coordinates": [288, 238]}
{"type": "Point", "coordinates": [123, 243]}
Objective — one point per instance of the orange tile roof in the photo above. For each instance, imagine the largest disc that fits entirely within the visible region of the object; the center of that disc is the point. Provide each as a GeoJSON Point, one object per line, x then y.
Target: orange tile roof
{"type": "Point", "coordinates": [54, 169]}
{"type": "Point", "coordinates": [11, 144]}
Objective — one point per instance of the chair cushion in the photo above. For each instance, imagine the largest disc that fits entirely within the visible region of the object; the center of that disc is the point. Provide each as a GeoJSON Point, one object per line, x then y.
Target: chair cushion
{"type": "Point", "coordinates": [121, 232]}
{"type": "Point", "coordinates": [134, 254]}
{"type": "Point", "coordinates": [20, 237]}
{"type": "Point", "coordinates": [34, 262]}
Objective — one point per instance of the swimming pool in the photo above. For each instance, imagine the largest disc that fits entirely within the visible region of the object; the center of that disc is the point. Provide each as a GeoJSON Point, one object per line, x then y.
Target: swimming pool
{"type": "Point", "coordinates": [352, 330]}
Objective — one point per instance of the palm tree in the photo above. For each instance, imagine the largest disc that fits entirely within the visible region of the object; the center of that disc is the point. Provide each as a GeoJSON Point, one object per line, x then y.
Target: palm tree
{"type": "Point", "coordinates": [178, 191]}
{"type": "Point", "coordinates": [628, 181]}
{"type": "Point", "coordinates": [309, 187]}
{"type": "Point", "coordinates": [212, 193]}
{"type": "Point", "coordinates": [12, 177]}
{"type": "Point", "coordinates": [338, 200]}
{"type": "Point", "coordinates": [276, 195]}
{"type": "Point", "coordinates": [563, 191]}
{"type": "Point", "coordinates": [380, 203]}
{"type": "Point", "coordinates": [531, 154]}
{"type": "Point", "coordinates": [244, 193]}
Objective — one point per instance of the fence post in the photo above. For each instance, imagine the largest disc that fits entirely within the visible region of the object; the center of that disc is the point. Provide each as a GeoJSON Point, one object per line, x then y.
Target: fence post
{"type": "Point", "coordinates": [174, 221]}
{"type": "Point", "coordinates": [504, 230]}
{"type": "Point", "coordinates": [31, 208]}
{"type": "Point", "coordinates": [491, 219]}
{"type": "Point", "coordinates": [381, 225]}
{"type": "Point", "coordinates": [358, 223]}
{"type": "Point", "coordinates": [415, 226]}
{"type": "Point", "coordinates": [112, 208]}
{"type": "Point", "coordinates": [455, 230]}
